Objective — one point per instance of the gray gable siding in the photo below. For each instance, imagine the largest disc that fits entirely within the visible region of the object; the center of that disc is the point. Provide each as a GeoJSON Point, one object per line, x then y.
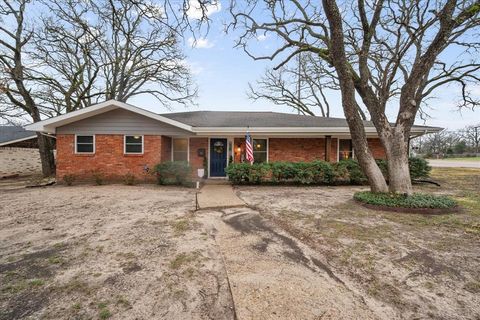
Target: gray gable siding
{"type": "Point", "coordinates": [120, 121]}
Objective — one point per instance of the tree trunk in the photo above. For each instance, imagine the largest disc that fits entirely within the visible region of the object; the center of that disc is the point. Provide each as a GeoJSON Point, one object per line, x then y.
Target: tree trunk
{"type": "Point", "coordinates": [396, 149]}
{"type": "Point", "coordinates": [46, 155]}
{"type": "Point", "coordinates": [45, 146]}
{"type": "Point", "coordinates": [350, 107]}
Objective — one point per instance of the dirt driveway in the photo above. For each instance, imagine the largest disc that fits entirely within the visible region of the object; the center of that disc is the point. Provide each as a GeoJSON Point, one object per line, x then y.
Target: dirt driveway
{"type": "Point", "coordinates": [140, 252]}
{"type": "Point", "coordinates": [21, 161]}
{"type": "Point", "coordinates": [95, 252]}
{"type": "Point", "coordinates": [404, 266]}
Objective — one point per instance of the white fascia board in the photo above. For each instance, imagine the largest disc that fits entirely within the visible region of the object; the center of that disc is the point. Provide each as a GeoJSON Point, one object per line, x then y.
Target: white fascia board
{"type": "Point", "coordinates": [295, 130]}
{"type": "Point", "coordinates": [279, 130]}
{"type": "Point", "coordinates": [49, 125]}
{"type": "Point", "coordinates": [16, 140]}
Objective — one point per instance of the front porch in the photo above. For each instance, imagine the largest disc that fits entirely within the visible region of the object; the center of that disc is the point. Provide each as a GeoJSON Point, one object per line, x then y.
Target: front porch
{"type": "Point", "coordinates": [214, 153]}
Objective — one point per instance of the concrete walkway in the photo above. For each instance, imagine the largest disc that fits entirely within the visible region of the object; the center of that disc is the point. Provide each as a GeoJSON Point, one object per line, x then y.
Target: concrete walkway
{"type": "Point", "coordinates": [274, 276]}
{"type": "Point", "coordinates": [453, 163]}
{"type": "Point", "coordinates": [213, 196]}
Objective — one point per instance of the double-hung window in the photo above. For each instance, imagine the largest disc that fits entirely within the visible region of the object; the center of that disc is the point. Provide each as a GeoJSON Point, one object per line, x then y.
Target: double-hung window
{"type": "Point", "coordinates": [345, 149]}
{"type": "Point", "coordinates": [180, 149]}
{"type": "Point", "coordinates": [260, 150]}
{"type": "Point", "coordinates": [85, 144]}
{"type": "Point", "coordinates": [133, 144]}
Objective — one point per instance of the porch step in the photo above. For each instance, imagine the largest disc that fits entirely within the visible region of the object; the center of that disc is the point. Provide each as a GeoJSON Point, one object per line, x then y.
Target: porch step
{"type": "Point", "coordinates": [217, 181]}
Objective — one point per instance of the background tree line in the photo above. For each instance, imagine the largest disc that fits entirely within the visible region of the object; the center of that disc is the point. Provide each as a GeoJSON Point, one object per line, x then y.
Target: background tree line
{"type": "Point", "coordinates": [449, 142]}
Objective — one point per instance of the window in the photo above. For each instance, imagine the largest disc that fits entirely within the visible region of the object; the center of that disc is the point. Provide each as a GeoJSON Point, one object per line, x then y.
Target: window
{"type": "Point", "coordinates": [345, 149]}
{"type": "Point", "coordinates": [85, 144]}
{"type": "Point", "coordinates": [180, 149]}
{"type": "Point", "coordinates": [133, 144]}
{"type": "Point", "coordinates": [260, 150]}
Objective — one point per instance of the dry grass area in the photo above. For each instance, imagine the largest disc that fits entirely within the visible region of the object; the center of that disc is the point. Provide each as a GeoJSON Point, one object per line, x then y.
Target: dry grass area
{"type": "Point", "coordinates": [98, 252]}
{"type": "Point", "coordinates": [21, 161]}
{"type": "Point", "coordinates": [414, 266]}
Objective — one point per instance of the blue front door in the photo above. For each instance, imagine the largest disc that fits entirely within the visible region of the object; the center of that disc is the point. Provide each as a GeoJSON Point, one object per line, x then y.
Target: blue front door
{"type": "Point", "coordinates": [218, 157]}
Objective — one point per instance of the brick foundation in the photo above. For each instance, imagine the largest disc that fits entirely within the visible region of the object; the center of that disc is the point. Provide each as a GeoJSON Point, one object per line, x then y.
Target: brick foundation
{"type": "Point", "coordinates": [109, 158]}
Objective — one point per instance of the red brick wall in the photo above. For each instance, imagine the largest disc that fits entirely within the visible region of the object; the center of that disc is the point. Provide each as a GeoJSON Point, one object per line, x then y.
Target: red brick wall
{"type": "Point", "coordinates": [196, 162]}
{"type": "Point", "coordinates": [376, 148]}
{"type": "Point", "coordinates": [166, 154]}
{"type": "Point", "coordinates": [293, 149]}
{"type": "Point", "coordinates": [333, 150]}
{"type": "Point", "coordinates": [304, 149]}
{"type": "Point", "coordinates": [108, 159]}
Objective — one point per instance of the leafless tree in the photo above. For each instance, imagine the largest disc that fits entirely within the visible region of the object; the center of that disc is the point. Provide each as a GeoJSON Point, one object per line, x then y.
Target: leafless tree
{"type": "Point", "coordinates": [388, 53]}
{"type": "Point", "coordinates": [302, 84]}
{"type": "Point", "coordinates": [299, 85]}
{"type": "Point", "coordinates": [78, 52]}
{"type": "Point", "coordinates": [472, 136]}
{"type": "Point", "coordinates": [16, 89]}
{"type": "Point", "coordinates": [106, 49]}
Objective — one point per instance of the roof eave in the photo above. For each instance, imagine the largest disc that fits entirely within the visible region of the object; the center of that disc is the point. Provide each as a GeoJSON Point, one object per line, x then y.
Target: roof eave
{"type": "Point", "coordinates": [16, 140]}
{"type": "Point", "coordinates": [49, 125]}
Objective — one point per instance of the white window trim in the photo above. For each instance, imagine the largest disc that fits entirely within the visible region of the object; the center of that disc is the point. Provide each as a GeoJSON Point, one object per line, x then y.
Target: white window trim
{"type": "Point", "coordinates": [85, 135]}
{"type": "Point", "coordinates": [188, 147]}
{"type": "Point", "coordinates": [125, 143]}
{"type": "Point", "coordinates": [267, 145]}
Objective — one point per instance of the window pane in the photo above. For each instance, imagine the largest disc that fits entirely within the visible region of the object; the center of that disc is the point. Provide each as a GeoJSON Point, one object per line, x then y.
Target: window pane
{"type": "Point", "coordinates": [133, 148]}
{"type": "Point", "coordinates": [85, 148]}
{"type": "Point", "coordinates": [180, 156]}
{"type": "Point", "coordinates": [133, 139]}
{"type": "Point", "coordinates": [260, 157]}
{"type": "Point", "coordinates": [84, 139]}
{"type": "Point", "coordinates": [259, 144]}
{"type": "Point", "coordinates": [180, 145]}
{"type": "Point", "coordinates": [345, 149]}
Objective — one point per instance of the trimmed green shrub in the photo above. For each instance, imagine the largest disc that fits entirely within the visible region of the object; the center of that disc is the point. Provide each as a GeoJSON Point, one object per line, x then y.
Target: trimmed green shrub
{"type": "Point", "coordinates": [283, 171]}
{"type": "Point", "coordinates": [349, 171]}
{"type": "Point", "coordinates": [416, 200]}
{"type": "Point", "coordinates": [419, 168]}
{"type": "Point", "coordinates": [316, 172]}
{"type": "Point", "coordinates": [238, 172]}
{"type": "Point", "coordinates": [173, 172]}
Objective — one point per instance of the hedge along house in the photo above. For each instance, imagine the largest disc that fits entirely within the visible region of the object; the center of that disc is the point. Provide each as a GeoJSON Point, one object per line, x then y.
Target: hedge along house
{"type": "Point", "coordinates": [116, 139]}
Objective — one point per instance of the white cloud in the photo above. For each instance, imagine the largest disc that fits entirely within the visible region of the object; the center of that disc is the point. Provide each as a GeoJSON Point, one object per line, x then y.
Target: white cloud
{"type": "Point", "coordinates": [261, 37]}
{"type": "Point", "coordinates": [195, 10]}
{"type": "Point", "coordinates": [200, 43]}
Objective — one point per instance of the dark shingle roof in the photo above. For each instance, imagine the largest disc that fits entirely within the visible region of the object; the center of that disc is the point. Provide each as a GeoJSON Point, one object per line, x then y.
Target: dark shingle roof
{"type": "Point", "coordinates": [258, 119]}
{"type": "Point", "coordinates": [253, 119]}
{"type": "Point", "coordinates": [12, 133]}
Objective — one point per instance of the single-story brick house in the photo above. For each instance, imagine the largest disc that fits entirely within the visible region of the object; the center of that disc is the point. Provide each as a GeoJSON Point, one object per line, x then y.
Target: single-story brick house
{"type": "Point", "coordinates": [116, 138]}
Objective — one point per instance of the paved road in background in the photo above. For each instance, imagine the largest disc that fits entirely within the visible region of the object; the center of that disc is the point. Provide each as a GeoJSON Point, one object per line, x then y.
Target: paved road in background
{"type": "Point", "coordinates": [454, 163]}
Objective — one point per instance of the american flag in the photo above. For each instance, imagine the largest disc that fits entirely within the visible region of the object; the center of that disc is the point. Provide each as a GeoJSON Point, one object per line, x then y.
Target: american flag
{"type": "Point", "coordinates": [249, 148]}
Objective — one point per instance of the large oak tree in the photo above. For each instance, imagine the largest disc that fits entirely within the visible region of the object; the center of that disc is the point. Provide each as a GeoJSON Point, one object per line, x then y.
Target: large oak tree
{"type": "Point", "coordinates": [387, 54]}
{"type": "Point", "coordinates": [61, 56]}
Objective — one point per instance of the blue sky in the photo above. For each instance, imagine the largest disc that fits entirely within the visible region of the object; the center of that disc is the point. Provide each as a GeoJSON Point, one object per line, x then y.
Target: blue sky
{"type": "Point", "coordinates": [222, 74]}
